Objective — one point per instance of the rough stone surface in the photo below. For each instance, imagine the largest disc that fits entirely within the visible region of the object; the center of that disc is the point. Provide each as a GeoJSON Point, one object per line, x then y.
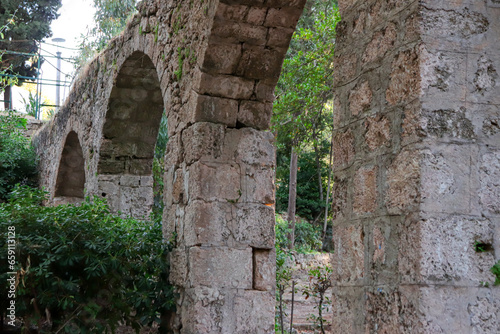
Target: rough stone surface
{"type": "Point", "coordinates": [210, 67]}
{"type": "Point", "coordinates": [416, 142]}
{"type": "Point", "coordinates": [416, 156]}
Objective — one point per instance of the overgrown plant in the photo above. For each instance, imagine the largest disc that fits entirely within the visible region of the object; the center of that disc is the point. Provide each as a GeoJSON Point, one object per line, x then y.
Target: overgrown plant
{"type": "Point", "coordinates": [159, 166]}
{"type": "Point", "coordinates": [495, 270]}
{"type": "Point", "coordinates": [18, 161]}
{"type": "Point", "coordinates": [81, 269]}
{"type": "Point", "coordinates": [320, 280]}
{"type": "Point", "coordinates": [283, 272]}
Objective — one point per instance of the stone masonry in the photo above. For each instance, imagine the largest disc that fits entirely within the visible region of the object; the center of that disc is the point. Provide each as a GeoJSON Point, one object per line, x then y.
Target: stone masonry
{"type": "Point", "coordinates": [417, 150]}
{"type": "Point", "coordinates": [211, 66]}
{"type": "Point", "coordinates": [417, 166]}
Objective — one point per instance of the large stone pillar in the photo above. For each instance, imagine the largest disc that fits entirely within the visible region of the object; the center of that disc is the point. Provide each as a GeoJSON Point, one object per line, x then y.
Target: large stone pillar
{"type": "Point", "coordinates": [417, 150]}
{"type": "Point", "coordinates": [220, 171]}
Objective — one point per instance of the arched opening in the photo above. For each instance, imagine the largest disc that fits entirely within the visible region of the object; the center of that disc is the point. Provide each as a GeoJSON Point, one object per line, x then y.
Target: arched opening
{"type": "Point", "coordinates": [70, 185]}
{"type": "Point", "coordinates": [129, 136]}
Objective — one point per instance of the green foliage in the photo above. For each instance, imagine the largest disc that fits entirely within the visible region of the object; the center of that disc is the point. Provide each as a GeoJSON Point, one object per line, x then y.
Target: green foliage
{"type": "Point", "coordinates": [81, 269]}
{"type": "Point", "coordinates": [18, 161]}
{"type": "Point", "coordinates": [159, 166]}
{"type": "Point", "coordinates": [302, 111]}
{"type": "Point", "coordinates": [308, 204]}
{"type": "Point", "coordinates": [307, 76]}
{"type": "Point", "coordinates": [307, 237]}
{"type": "Point", "coordinates": [495, 270]}
{"type": "Point", "coordinates": [283, 270]}
{"type": "Point", "coordinates": [29, 21]}
{"type": "Point", "coordinates": [111, 17]}
{"type": "Point", "coordinates": [320, 280]}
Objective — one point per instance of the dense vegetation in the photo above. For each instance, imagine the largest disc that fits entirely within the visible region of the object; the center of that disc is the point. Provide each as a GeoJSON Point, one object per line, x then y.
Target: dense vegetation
{"type": "Point", "coordinates": [302, 116]}
{"type": "Point", "coordinates": [81, 269]}
{"type": "Point", "coordinates": [18, 162]}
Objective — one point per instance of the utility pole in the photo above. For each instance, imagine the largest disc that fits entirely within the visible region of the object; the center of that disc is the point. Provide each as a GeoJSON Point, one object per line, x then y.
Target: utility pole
{"type": "Point", "coordinates": [58, 80]}
{"type": "Point", "coordinates": [58, 74]}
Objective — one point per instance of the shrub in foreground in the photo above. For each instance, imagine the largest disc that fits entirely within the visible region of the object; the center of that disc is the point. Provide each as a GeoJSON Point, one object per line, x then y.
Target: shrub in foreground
{"type": "Point", "coordinates": [80, 269]}
{"type": "Point", "coordinates": [18, 161]}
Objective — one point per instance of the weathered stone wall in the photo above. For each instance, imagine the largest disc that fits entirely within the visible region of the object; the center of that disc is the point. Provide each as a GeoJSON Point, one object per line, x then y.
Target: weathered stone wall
{"type": "Point", "coordinates": [417, 166]}
{"type": "Point", "coordinates": [212, 66]}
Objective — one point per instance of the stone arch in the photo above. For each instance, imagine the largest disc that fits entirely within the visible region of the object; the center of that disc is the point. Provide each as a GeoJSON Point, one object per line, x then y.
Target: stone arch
{"type": "Point", "coordinates": [70, 184]}
{"type": "Point", "coordinates": [130, 130]}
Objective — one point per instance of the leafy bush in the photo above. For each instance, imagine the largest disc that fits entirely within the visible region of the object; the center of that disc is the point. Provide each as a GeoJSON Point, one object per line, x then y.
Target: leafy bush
{"type": "Point", "coordinates": [18, 161]}
{"type": "Point", "coordinates": [81, 269]}
{"type": "Point", "coordinates": [307, 236]}
{"type": "Point", "coordinates": [495, 270]}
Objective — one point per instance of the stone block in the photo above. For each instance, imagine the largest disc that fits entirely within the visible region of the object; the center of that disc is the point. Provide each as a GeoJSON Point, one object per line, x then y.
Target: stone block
{"type": "Point", "coordinates": [348, 305]}
{"type": "Point", "coordinates": [486, 122]}
{"type": "Point", "coordinates": [111, 166]}
{"type": "Point", "coordinates": [279, 37]}
{"type": "Point", "coordinates": [483, 79]}
{"type": "Point", "coordinates": [140, 166]}
{"type": "Point", "coordinates": [457, 310]}
{"type": "Point", "coordinates": [403, 182]}
{"type": "Point", "coordinates": [253, 225]}
{"type": "Point", "coordinates": [413, 124]}
{"type": "Point", "coordinates": [283, 17]}
{"type": "Point", "coordinates": [255, 114]}
{"type": "Point", "coordinates": [442, 251]}
{"type": "Point", "coordinates": [222, 58]}
{"type": "Point", "coordinates": [384, 250]}
{"type": "Point", "coordinates": [254, 310]}
{"type": "Point", "coordinates": [264, 91]}
{"type": "Point", "coordinates": [365, 190]}
{"type": "Point", "coordinates": [259, 62]}
{"type": "Point", "coordinates": [256, 15]}
{"type": "Point", "coordinates": [232, 12]}
{"type": "Point", "coordinates": [204, 310]}
{"type": "Point", "coordinates": [173, 151]}
{"type": "Point", "coordinates": [238, 32]}
{"type": "Point", "coordinates": [249, 146]}
{"type": "Point", "coordinates": [214, 182]}
{"type": "Point", "coordinates": [220, 267]}
{"type": "Point", "coordinates": [404, 84]}
{"type": "Point", "coordinates": [178, 267]}
{"type": "Point", "coordinates": [449, 179]}
{"type": "Point", "coordinates": [137, 202]}
{"type": "Point", "coordinates": [257, 185]}
{"type": "Point", "coordinates": [346, 66]}
{"type": "Point", "coordinates": [378, 132]}
{"type": "Point", "coordinates": [489, 177]}
{"type": "Point", "coordinates": [382, 41]}
{"type": "Point", "coordinates": [360, 98]}
{"type": "Point", "coordinates": [349, 258]}
{"type": "Point", "coordinates": [178, 190]}
{"type": "Point", "coordinates": [444, 76]}
{"type": "Point", "coordinates": [216, 110]}
{"type": "Point", "coordinates": [207, 224]}
{"type": "Point", "coordinates": [340, 208]}
{"type": "Point", "coordinates": [146, 181]}
{"type": "Point", "coordinates": [390, 310]}
{"type": "Point", "coordinates": [264, 269]}
{"type": "Point", "coordinates": [131, 181]}
{"type": "Point", "coordinates": [343, 149]}
{"type": "Point", "coordinates": [203, 141]}
{"type": "Point", "coordinates": [226, 86]}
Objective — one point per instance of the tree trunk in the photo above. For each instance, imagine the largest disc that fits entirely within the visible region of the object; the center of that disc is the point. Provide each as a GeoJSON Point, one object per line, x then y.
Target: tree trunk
{"type": "Point", "coordinates": [318, 167]}
{"type": "Point", "coordinates": [7, 97]}
{"type": "Point", "coordinates": [292, 196]}
{"type": "Point", "coordinates": [325, 225]}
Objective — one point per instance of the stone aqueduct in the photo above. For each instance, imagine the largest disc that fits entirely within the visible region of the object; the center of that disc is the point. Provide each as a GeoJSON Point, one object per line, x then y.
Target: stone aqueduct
{"type": "Point", "coordinates": [417, 151]}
